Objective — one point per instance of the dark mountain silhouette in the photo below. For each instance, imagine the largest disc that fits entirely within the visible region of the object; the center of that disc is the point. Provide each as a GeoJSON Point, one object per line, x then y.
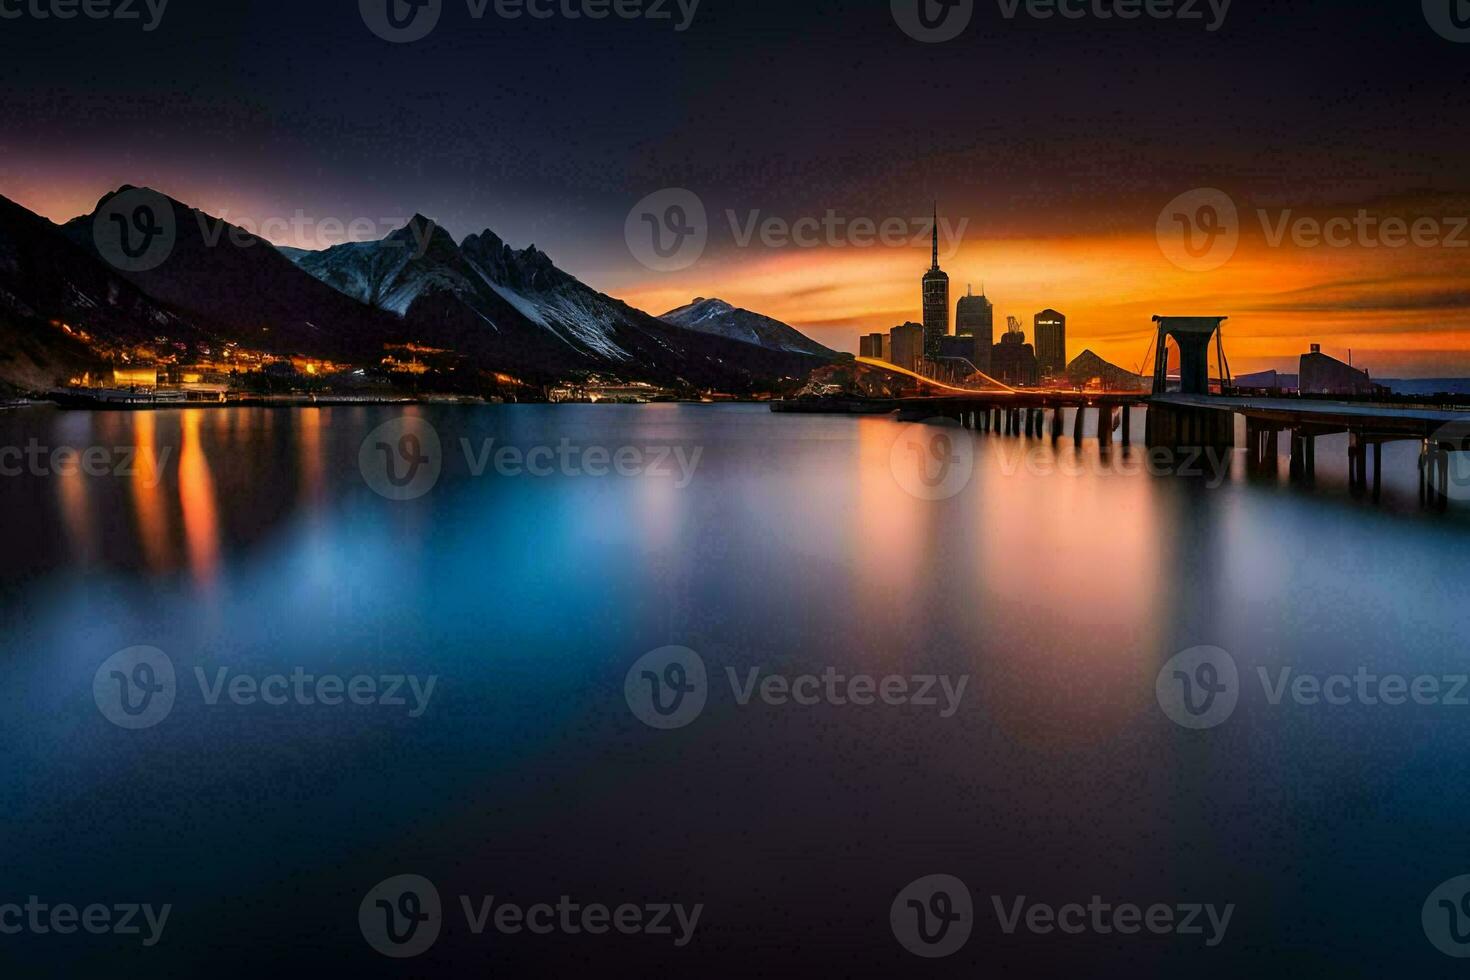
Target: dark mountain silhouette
{"type": "Point", "coordinates": [505, 310]}
{"type": "Point", "coordinates": [241, 284]}
{"type": "Point", "coordinates": [47, 281]}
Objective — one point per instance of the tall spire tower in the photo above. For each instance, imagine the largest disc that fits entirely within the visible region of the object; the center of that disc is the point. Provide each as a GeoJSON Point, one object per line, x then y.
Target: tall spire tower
{"type": "Point", "coordinates": [936, 299]}
{"type": "Point", "coordinates": [935, 227]}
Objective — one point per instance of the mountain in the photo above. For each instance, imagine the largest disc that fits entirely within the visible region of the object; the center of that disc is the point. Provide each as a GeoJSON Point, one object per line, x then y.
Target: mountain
{"type": "Point", "coordinates": [49, 284]}
{"type": "Point", "coordinates": [515, 308]}
{"type": "Point", "coordinates": [242, 286]}
{"type": "Point", "coordinates": [716, 317]}
{"type": "Point", "coordinates": [143, 265]}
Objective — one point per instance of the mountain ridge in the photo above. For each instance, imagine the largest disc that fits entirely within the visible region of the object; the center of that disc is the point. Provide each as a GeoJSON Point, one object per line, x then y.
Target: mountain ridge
{"type": "Point", "coordinates": [504, 310]}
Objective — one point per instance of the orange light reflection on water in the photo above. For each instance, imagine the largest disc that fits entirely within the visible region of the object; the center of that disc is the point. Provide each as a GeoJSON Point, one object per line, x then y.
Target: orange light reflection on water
{"type": "Point", "coordinates": [197, 501]}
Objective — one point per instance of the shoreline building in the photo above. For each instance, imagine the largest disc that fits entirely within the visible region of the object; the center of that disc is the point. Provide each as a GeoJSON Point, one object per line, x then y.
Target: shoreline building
{"type": "Point", "coordinates": [936, 299]}
{"type": "Point", "coordinates": [1051, 343]}
{"type": "Point", "coordinates": [871, 345]}
{"type": "Point", "coordinates": [1012, 360]}
{"type": "Point", "coordinates": [906, 346]}
{"type": "Point", "coordinates": [1320, 374]}
{"type": "Point", "coordinates": [975, 318]}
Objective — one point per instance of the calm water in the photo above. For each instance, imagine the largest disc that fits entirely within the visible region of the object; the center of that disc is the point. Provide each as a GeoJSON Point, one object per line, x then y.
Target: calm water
{"type": "Point", "coordinates": [259, 548]}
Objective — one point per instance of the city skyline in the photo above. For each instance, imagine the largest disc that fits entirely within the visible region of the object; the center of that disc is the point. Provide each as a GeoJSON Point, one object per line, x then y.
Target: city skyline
{"type": "Point", "coordinates": [1374, 315]}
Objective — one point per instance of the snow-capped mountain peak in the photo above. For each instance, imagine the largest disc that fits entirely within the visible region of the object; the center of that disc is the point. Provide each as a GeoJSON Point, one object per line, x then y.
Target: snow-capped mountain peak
{"type": "Point", "coordinates": [722, 319]}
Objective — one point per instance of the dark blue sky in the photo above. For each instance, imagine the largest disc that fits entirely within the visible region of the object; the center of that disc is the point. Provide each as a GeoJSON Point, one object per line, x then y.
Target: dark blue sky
{"type": "Point", "coordinates": [548, 130]}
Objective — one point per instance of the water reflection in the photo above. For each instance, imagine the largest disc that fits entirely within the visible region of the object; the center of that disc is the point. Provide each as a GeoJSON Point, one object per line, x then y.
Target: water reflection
{"type": "Point", "coordinates": [197, 501]}
{"type": "Point", "coordinates": [794, 548]}
{"type": "Point", "coordinates": [150, 465]}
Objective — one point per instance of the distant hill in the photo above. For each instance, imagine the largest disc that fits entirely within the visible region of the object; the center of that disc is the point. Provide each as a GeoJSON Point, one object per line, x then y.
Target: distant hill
{"type": "Point", "coordinates": [1088, 370]}
{"type": "Point", "coordinates": [715, 316]}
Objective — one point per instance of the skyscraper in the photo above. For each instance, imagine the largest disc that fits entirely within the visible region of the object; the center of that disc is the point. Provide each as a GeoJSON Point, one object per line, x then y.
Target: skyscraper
{"type": "Point", "coordinates": [936, 299]}
{"type": "Point", "coordinates": [975, 318]}
{"type": "Point", "coordinates": [1012, 360]}
{"type": "Point", "coordinates": [1051, 343]}
{"type": "Point", "coordinates": [906, 345]}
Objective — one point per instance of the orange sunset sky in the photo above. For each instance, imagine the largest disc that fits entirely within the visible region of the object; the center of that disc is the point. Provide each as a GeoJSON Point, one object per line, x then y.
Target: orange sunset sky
{"type": "Point", "coordinates": [1402, 311]}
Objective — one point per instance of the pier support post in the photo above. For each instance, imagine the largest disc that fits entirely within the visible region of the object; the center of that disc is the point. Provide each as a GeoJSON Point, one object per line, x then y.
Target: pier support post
{"type": "Point", "coordinates": [1105, 425]}
{"type": "Point", "coordinates": [1056, 423]}
{"type": "Point", "coordinates": [1357, 462]}
{"type": "Point", "coordinates": [1127, 425]}
{"type": "Point", "coordinates": [1077, 424]}
{"type": "Point", "coordinates": [1377, 447]}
